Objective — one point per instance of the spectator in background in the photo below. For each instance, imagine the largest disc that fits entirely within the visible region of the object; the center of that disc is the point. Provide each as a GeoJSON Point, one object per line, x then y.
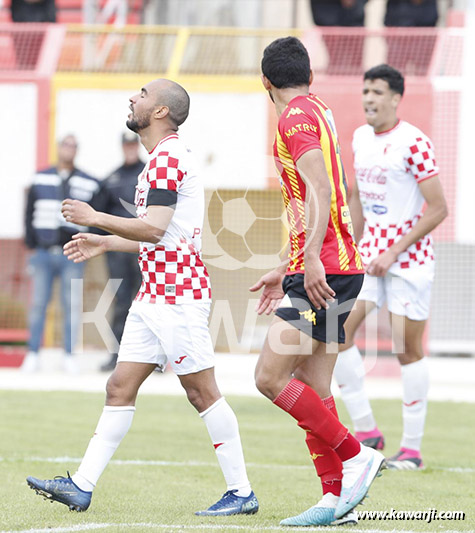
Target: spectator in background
{"type": "Point", "coordinates": [345, 52]}
{"type": "Point", "coordinates": [27, 44]}
{"type": "Point", "coordinates": [46, 233]}
{"type": "Point", "coordinates": [411, 54]}
{"type": "Point", "coordinates": [118, 192]}
{"type": "Point", "coordinates": [33, 10]}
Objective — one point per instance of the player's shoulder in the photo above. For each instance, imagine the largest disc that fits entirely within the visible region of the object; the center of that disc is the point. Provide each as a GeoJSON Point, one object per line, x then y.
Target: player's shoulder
{"type": "Point", "coordinates": [171, 146]}
{"type": "Point", "coordinates": [410, 134]}
{"type": "Point", "coordinates": [171, 154]}
{"type": "Point", "coordinates": [299, 107]}
{"type": "Point", "coordinates": [363, 133]}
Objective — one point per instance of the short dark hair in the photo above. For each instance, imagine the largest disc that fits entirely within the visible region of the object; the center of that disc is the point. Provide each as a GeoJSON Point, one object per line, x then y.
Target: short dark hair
{"type": "Point", "coordinates": [389, 74]}
{"type": "Point", "coordinates": [178, 102]}
{"type": "Point", "coordinates": [285, 63]}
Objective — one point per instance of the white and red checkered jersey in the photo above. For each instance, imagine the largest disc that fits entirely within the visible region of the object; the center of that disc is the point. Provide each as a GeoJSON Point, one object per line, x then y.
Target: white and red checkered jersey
{"type": "Point", "coordinates": [389, 166]}
{"type": "Point", "coordinates": [172, 270]}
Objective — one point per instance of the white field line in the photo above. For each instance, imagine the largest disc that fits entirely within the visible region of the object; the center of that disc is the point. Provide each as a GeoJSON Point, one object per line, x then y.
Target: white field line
{"type": "Point", "coordinates": [186, 464]}
{"type": "Point", "coordinates": [181, 527]}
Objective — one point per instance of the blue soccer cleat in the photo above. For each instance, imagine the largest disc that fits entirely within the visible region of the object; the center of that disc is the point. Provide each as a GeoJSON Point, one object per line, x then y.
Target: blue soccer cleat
{"type": "Point", "coordinates": [322, 514]}
{"type": "Point", "coordinates": [315, 516]}
{"type": "Point", "coordinates": [350, 519]}
{"type": "Point", "coordinates": [358, 474]}
{"type": "Point", "coordinates": [63, 490]}
{"type": "Point", "coordinates": [231, 504]}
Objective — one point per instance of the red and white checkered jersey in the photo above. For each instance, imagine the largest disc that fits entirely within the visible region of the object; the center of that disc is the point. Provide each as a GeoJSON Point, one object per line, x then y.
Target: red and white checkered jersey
{"type": "Point", "coordinates": [172, 270]}
{"type": "Point", "coordinates": [389, 166]}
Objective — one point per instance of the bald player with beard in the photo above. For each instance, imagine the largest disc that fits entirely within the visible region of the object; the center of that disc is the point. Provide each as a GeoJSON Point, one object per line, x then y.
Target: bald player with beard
{"type": "Point", "coordinates": [168, 321]}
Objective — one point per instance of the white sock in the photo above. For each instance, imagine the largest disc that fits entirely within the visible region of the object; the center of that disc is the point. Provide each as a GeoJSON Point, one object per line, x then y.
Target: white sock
{"type": "Point", "coordinates": [328, 500]}
{"type": "Point", "coordinates": [223, 429]}
{"type": "Point", "coordinates": [111, 429]}
{"type": "Point", "coordinates": [415, 383]}
{"type": "Point", "coordinates": [349, 373]}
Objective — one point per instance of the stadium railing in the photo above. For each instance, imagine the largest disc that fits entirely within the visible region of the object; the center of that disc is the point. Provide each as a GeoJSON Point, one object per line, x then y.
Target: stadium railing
{"type": "Point", "coordinates": [431, 59]}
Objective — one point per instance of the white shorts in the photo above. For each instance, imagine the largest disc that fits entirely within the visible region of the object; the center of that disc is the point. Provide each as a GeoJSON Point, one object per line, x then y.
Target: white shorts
{"type": "Point", "coordinates": [161, 333]}
{"type": "Point", "coordinates": [407, 295]}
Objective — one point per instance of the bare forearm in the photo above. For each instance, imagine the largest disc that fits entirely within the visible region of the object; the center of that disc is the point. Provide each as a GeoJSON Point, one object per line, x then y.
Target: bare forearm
{"type": "Point", "coordinates": [356, 213]}
{"type": "Point", "coordinates": [115, 243]}
{"type": "Point", "coordinates": [431, 218]}
{"type": "Point", "coordinates": [132, 229]}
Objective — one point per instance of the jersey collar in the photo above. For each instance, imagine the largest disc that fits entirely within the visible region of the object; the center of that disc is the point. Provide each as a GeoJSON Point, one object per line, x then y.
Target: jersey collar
{"type": "Point", "coordinates": [167, 138]}
{"type": "Point", "coordinates": [389, 130]}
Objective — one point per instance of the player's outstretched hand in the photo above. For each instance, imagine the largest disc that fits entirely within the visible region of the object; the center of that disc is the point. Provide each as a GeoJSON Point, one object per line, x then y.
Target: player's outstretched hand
{"type": "Point", "coordinates": [316, 286]}
{"type": "Point", "coordinates": [272, 293]}
{"type": "Point", "coordinates": [84, 246]}
{"type": "Point", "coordinates": [78, 212]}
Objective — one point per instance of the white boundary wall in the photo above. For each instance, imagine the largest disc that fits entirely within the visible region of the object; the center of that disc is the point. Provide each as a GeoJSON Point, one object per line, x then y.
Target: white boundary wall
{"type": "Point", "coordinates": [226, 132]}
{"type": "Point", "coordinates": [17, 153]}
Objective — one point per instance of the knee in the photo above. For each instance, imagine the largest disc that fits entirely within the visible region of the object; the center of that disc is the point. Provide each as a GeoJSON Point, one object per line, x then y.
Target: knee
{"type": "Point", "coordinates": [117, 394]}
{"type": "Point", "coordinates": [200, 399]}
{"type": "Point", "coordinates": [410, 355]}
{"type": "Point", "coordinates": [412, 352]}
{"type": "Point", "coordinates": [267, 385]}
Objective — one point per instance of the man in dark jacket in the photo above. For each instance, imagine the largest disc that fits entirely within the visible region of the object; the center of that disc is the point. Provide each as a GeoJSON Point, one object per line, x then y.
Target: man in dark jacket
{"type": "Point", "coordinates": [411, 54]}
{"type": "Point", "coordinates": [46, 233]}
{"type": "Point", "coordinates": [33, 10]}
{"type": "Point", "coordinates": [28, 43]}
{"type": "Point", "coordinates": [345, 52]}
{"type": "Point", "coordinates": [410, 13]}
{"type": "Point", "coordinates": [117, 198]}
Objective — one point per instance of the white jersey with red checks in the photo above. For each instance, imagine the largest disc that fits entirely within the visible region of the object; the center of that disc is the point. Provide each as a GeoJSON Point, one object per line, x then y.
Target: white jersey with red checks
{"type": "Point", "coordinates": [389, 166]}
{"type": "Point", "coordinates": [172, 270]}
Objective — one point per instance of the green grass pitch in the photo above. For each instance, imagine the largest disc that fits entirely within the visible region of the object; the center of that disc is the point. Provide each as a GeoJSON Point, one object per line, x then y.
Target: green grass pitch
{"type": "Point", "coordinates": [37, 429]}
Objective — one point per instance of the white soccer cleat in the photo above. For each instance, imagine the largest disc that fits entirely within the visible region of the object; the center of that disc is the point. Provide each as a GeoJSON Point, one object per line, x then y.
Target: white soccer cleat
{"type": "Point", "coordinates": [358, 474]}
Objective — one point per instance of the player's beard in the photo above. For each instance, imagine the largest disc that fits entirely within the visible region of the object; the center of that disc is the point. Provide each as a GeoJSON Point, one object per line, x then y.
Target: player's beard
{"type": "Point", "coordinates": [137, 124]}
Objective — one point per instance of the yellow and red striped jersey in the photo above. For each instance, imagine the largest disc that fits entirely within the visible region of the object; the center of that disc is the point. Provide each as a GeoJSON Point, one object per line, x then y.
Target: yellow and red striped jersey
{"type": "Point", "coordinates": [307, 124]}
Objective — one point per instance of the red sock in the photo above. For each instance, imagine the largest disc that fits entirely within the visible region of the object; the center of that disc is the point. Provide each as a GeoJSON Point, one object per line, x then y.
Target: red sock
{"type": "Point", "coordinates": [329, 403]}
{"type": "Point", "coordinates": [350, 446]}
{"type": "Point", "coordinates": [327, 463]}
{"type": "Point", "coordinates": [305, 405]}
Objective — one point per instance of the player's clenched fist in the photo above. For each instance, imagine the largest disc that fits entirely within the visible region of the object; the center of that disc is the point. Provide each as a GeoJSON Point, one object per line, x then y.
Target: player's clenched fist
{"type": "Point", "coordinates": [78, 212]}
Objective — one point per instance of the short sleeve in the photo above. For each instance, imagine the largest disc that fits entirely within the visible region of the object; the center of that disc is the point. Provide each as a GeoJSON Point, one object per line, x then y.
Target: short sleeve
{"type": "Point", "coordinates": [299, 132]}
{"type": "Point", "coordinates": [164, 177]}
{"type": "Point", "coordinates": [164, 173]}
{"type": "Point", "coordinates": [421, 159]}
